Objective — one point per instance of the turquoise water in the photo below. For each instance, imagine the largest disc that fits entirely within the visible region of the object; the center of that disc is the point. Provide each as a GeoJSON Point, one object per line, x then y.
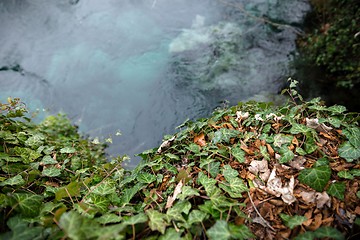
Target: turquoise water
{"type": "Point", "coordinates": [143, 66]}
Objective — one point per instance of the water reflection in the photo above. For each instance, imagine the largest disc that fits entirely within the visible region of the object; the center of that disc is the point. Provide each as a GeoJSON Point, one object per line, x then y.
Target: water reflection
{"type": "Point", "coordinates": [142, 66]}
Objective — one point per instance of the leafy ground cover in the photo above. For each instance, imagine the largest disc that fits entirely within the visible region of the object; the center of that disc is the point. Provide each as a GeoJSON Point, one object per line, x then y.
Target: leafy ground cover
{"type": "Point", "coordinates": [252, 171]}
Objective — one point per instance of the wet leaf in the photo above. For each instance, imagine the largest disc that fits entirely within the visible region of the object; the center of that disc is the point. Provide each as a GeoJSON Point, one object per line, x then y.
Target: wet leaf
{"type": "Point", "coordinates": [292, 221]}
{"type": "Point", "coordinates": [337, 190]}
{"type": "Point", "coordinates": [316, 177]}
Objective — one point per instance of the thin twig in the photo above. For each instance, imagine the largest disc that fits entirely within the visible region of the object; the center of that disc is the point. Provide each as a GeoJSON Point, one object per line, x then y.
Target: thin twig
{"type": "Point", "coordinates": [266, 222]}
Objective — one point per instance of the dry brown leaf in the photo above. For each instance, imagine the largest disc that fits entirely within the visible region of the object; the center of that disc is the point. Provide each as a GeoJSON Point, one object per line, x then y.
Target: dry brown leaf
{"type": "Point", "coordinates": [177, 191]}
{"type": "Point", "coordinates": [316, 223]}
{"type": "Point", "coordinates": [322, 199]}
{"type": "Point", "coordinates": [298, 162]}
{"type": "Point", "coordinates": [200, 140]}
{"type": "Point", "coordinates": [270, 150]}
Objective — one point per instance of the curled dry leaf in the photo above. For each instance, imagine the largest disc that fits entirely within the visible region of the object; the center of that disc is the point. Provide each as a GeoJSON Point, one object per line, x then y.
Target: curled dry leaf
{"type": "Point", "coordinates": [200, 140]}
{"type": "Point", "coordinates": [298, 162]}
{"type": "Point", "coordinates": [275, 187]}
{"type": "Point", "coordinates": [172, 198]}
{"type": "Point", "coordinates": [241, 116]}
{"type": "Point", "coordinates": [261, 167]}
{"type": "Point", "coordinates": [322, 199]}
{"type": "Point", "coordinates": [166, 144]}
{"type": "Point", "coordinates": [314, 124]}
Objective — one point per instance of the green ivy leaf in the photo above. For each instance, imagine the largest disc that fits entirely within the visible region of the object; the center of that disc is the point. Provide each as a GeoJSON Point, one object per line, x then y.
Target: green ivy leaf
{"type": "Point", "coordinates": [316, 177]}
{"type": "Point", "coordinates": [67, 150]}
{"type": "Point", "coordinates": [337, 109]}
{"type": "Point", "coordinates": [358, 194]}
{"type": "Point", "coordinates": [224, 135]}
{"type": "Point", "coordinates": [157, 220]}
{"type": "Point", "coordinates": [48, 160]}
{"type": "Point", "coordinates": [345, 174]}
{"type": "Point", "coordinates": [171, 234]}
{"type": "Point", "coordinates": [219, 230]}
{"type": "Point", "coordinates": [146, 178]}
{"type": "Point", "coordinates": [208, 183]}
{"type": "Point", "coordinates": [286, 155]}
{"type": "Point", "coordinates": [109, 218]}
{"type": "Point", "coordinates": [292, 221]}
{"type": "Point", "coordinates": [187, 191]}
{"type": "Point", "coordinates": [35, 141]}
{"type": "Point", "coordinates": [104, 188]}
{"type": "Point", "coordinates": [196, 216]}
{"type": "Point", "coordinates": [51, 172]}
{"type": "Point", "coordinates": [337, 190]}
{"type": "Point", "coordinates": [72, 189]}
{"type": "Point", "coordinates": [299, 128]}
{"type": "Point", "coordinates": [100, 202]}
{"type": "Point", "coordinates": [240, 232]}
{"type": "Point", "coordinates": [353, 134]}
{"type": "Point", "coordinates": [78, 227]}
{"type": "Point", "coordinates": [17, 180]}
{"type": "Point", "coordinates": [264, 152]}
{"type": "Point", "coordinates": [328, 232]}
{"type": "Point", "coordinates": [136, 219]}
{"type": "Point", "coordinates": [20, 229]}
{"type": "Point", "coordinates": [235, 187]}
{"type": "Point", "coordinates": [238, 153]}
{"type": "Point", "coordinates": [281, 139]}
{"type": "Point", "coordinates": [305, 236]}
{"type": "Point", "coordinates": [213, 168]}
{"type": "Point", "coordinates": [355, 172]}
{"type": "Point", "coordinates": [229, 172]}
{"type": "Point", "coordinates": [310, 144]}
{"type": "Point", "coordinates": [349, 152]}
{"type": "Point", "coordinates": [28, 204]}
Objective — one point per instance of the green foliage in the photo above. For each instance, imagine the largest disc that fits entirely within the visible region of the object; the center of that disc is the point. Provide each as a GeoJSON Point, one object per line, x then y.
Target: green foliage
{"type": "Point", "coordinates": [57, 185]}
{"type": "Point", "coordinates": [334, 45]}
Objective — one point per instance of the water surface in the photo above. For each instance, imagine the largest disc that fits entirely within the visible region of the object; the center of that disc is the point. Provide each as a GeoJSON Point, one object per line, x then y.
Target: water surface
{"type": "Point", "coordinates": [143, 66]}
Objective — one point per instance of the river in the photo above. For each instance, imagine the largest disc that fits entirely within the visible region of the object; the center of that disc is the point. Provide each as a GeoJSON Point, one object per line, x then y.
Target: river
{"type": "Point", "coordinates": [142, 67]}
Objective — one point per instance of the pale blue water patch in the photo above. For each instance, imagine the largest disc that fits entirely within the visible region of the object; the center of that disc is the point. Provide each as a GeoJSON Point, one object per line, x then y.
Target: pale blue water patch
{"type": "Point", "coordinates": [142, 66]}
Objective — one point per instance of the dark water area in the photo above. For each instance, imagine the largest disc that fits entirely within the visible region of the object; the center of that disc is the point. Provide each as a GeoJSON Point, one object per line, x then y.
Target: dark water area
{"type": "Point", "coordinates": [142, 67]}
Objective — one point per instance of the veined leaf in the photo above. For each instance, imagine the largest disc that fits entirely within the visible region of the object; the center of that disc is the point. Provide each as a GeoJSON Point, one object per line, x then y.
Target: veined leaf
{"type": "Point", "coordinates": [286, 155]}
{"type": "Point", "coordinates": [28, 204]}
{"type": "Point", "coordinates": [337, 109]}
{"type": "Point", "coordinates": [196, 216]}
{"type": "Point", "coordinates": [345, 174]}
{"type": "Point", "coordinates": [213, 168]}
{"type": "Point", "coordinates": [72, 189]}
{"type": "Point", "coordinates": [229, 172]}
{"type": "Point", "coordinates": [68, 150]}
{"type": "Point", "coordinates": [240, 232]}
{"type": "Point", "coordinates": [104, 188]}
{"type": "Point", "coordinates": [316, 177]}
{"type": "Point", "coordinates": [171, 234]}
{"type": "Point", "coordinates": [187, 191]}
{"type": "Point", "coordinates": [328, 232]}
{"type": "Point", "coordinates": [219, 230]}
{"type": "Point", "coordinates": [281, 139]}
{"type": "Point", "coordinates": [349, 152]}
{"type": "Point", "coordinates": [136, 219]}
{"type": "Point", "coordinates": [238, 153]}
{"type": "Point", "coordinates": [235, 187]}
{"type": "Point", "coordinates": [353, 134]}
{"type": "Point", "coordinates": [310, 144]}
{"type": "Point", "coordinates": [337, 190]}
{"type": "Point", "coordinates": [20, 229]}
{"type": "Point", "coordinates": [299, 128]}
{"type": "Point", "coordinates": [264, 152]}
{"type": "Point", "coordinates": [51, 171]}
{"type": "Point", "coordinates": [292, 221]}
{"type": "Point", "coordinates": [157, 220]}
{"type": "Point", "coordinates": [108, 218]}
{"type": "Point", "coordinates": [99, 201]}
{"type": "Point", "coordinates": [208, 183]}
{"type": "Point", "coordinates": [78, 227]}
{"type": "Point", "coordinates": [16, 180]}
{"type": "Point", "coordinates": [224, 135]}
